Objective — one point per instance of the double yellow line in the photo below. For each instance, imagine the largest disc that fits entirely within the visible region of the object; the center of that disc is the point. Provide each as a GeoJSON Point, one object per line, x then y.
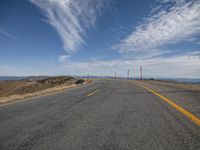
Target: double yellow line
{"type": "Point", "coordinates": [189, 115]}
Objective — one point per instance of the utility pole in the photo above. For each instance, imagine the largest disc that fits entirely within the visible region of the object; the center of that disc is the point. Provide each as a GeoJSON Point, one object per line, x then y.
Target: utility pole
{"type": "Point", "coordinates": [140, 72]}
{"type": "Point", "coordinates": [87, 77]}
{"type": "Point", "coordinates": [128, 75]}
{"type": "Point", "coordinates": [115, 76]}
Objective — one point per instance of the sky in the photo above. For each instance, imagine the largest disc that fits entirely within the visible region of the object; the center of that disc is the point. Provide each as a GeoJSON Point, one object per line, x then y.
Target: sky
{"type": "Point", "coordinates": [100, 37]}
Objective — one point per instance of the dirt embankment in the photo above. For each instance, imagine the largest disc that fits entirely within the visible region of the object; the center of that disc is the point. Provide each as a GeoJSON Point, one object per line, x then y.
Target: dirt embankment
{"type": "Point", "coordinates": [20, 89]}
{"type": "Point", "coordinates": [186, 95]}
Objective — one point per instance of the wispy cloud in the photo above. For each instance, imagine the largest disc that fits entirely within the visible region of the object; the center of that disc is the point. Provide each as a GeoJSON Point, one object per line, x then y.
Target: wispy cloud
{"type": "Point", "coordinates": [7, 34]}
{"type": "Point", "coordinates": [186, 66]}
{"type": "Point", "coordinates": [172, 21]}
{"type": "Point", "coordinates": [64, 58]}
{"type": "Point", "coordinates": [71, 18]}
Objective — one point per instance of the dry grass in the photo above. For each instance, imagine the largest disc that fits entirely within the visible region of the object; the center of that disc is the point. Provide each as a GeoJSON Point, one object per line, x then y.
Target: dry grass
{"type": "Point", "coordinates": [11, 91]}
{"type": "Point", "coordinates": [12, 98]}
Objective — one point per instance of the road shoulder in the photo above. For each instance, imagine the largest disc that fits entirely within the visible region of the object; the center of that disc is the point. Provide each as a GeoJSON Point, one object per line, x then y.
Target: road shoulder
{"type": "Point", "coordinates": [183, 94]}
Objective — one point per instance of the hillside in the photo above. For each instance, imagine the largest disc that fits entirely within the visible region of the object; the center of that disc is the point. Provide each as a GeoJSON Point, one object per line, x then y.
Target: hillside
{"type": "Point", "coordinates": [34, 84]}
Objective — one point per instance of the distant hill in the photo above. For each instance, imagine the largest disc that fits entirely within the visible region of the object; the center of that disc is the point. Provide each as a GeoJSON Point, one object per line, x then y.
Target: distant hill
{"type": "Point", "coordinates": [35, 78]}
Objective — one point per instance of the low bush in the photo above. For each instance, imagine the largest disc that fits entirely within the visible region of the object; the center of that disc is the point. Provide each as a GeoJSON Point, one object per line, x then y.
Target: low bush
{"type": "Point", "coordinates": [79, 81]}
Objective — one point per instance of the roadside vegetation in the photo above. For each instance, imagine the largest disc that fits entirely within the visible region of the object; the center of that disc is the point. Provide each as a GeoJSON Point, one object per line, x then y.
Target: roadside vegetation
{"type": "Point", "coordinates": [35, 86]}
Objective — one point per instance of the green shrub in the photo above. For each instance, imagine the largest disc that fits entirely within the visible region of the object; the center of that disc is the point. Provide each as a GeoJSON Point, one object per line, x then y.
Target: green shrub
{"type": "Point", "coordinates": [79, 81]}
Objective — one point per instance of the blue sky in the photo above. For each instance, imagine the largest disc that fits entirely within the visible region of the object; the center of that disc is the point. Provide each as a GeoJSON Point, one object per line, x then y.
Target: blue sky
{"type": "Point", "coordinates": [100, 37]}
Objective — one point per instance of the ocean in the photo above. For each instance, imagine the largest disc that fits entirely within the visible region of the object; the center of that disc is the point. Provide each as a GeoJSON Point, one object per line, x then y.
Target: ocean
{"type": "Point", "coordinates": [2, 78]}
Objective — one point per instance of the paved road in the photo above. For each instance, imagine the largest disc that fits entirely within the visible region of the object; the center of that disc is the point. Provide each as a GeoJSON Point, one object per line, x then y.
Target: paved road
{"type": "Point", "coordinates": [120, 116]}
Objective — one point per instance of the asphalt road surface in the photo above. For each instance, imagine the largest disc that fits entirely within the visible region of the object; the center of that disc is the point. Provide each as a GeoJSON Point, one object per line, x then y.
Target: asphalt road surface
{"type": "Point", "coordinates": [104, 115]}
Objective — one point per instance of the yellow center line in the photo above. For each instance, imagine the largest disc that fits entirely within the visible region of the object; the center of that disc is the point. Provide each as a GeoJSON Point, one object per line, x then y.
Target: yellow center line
{"type": "Point", "coordinates": [188, 114]}
{"type": "Point", "coordinates": [90, 94]}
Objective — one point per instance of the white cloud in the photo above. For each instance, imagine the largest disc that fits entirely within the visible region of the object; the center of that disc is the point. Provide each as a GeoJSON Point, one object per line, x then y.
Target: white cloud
{"type": "Point", "coordinates": [177, 22]}
{"type": "Point", "coordinates": [64, 58]}
{"type": "Point", "coordinates": [71, 18]}
{"type": "Point", "coordinates": [7, 34]}
{"type": "Point", "coordinates": [187, 66]}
